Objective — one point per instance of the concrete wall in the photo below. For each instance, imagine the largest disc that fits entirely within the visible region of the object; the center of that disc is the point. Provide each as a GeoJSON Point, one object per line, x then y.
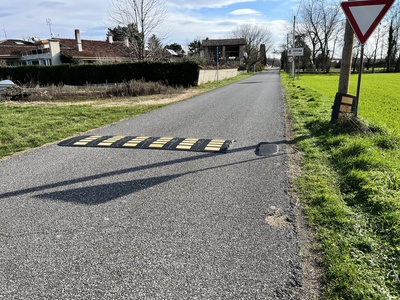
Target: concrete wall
{"type": "Point", "coordinates": [212, 75]}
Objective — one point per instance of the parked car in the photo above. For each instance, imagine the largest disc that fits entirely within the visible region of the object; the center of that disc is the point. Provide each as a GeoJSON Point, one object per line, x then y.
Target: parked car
{"type": "Point", "coordinates": [4, 84]}
{"type": "Point", "coordinates": [10, 90]}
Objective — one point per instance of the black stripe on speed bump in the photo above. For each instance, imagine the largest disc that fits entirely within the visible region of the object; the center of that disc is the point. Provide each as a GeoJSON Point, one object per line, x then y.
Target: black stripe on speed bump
{"type": "Point", "coordinates": [145, 142]}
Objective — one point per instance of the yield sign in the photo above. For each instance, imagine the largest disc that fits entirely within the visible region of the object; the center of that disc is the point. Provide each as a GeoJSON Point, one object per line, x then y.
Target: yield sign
{"type": "Point", "coordinates": [365, 15]}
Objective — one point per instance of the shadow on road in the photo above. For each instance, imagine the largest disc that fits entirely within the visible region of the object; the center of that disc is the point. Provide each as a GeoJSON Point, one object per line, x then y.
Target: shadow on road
{"type": "Point", "coordinates": [97, 194]}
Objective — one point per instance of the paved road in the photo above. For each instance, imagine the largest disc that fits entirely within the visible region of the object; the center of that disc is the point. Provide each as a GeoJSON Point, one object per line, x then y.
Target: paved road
{"type": "Point", "coordinates": [105, 223]}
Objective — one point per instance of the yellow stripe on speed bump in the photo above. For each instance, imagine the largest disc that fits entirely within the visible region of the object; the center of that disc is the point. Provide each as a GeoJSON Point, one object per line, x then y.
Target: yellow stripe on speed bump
{"type": "Point", "coordinates": [214, 145]}
{"type": "Point", "coordinates": [186, 144]}
{"type": "Point", "coordinates": [110, 141]}
{"type": "Point", "coordinates": [146, 142]}
{"type": "Point", "coordinates": [135, 141]}
{"type": "Point", "coordinates": [160, 142]}
{"type": "Point", "coordinates": [86, 140]}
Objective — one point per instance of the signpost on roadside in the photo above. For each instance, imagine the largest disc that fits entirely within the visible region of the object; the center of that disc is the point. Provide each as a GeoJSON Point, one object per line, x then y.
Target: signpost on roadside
{"type": "Point", "coordinates": [363, 17]}
{"type": "Point", "coordinates": [296, 52]}
{"type": "Point", "coordinates": [292, 54]}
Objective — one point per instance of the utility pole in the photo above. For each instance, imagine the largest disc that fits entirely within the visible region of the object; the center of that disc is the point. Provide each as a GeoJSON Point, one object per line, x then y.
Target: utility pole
{"type": "Point", "coordinates": [347, 55]}
{"type": "Point", "coordinates": [345, 68]}
{"type": "Point", "coordinates": [287, 53]}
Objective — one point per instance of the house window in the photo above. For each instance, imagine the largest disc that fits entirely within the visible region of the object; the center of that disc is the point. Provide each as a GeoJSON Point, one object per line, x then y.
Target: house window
{"type": "Point", "coordinates": [232, 51]}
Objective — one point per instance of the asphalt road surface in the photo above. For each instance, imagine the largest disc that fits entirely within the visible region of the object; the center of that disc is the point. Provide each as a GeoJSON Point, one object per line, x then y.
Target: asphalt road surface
{"type": "Point", "coordinates": [113, 223]}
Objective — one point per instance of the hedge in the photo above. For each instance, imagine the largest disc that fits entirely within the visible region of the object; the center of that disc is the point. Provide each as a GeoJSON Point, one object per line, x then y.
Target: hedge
{"type": "Point", "coordinates": [175, 74]}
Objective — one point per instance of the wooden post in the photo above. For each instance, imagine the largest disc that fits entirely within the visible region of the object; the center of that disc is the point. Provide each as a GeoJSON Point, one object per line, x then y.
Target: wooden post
{"type": "Point", "coordinates": [347, 53]}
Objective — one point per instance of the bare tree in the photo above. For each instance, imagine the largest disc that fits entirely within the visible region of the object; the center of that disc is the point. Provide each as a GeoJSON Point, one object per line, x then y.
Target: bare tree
{"type": "Point", "coordinates": [391, 48]}
{"type": "Point", "coordinates": [255, 36]}
{"type": "Point", "coordinates": [321, 24]}
{"type": "Point", "coordinates": [144, 15]}
{"type": "Point", "coordinates": [373, 45]}
{"type": "Point", "coordinates": [393, 38]}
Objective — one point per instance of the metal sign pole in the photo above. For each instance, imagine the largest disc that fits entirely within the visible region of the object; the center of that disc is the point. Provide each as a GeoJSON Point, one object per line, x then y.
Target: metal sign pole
{"type": "Point", "coordinates": [359, 81]}
{"type": "Point", "coordinates": [217, 63]}
{"type": "Point", "coordinates": [294, 46]}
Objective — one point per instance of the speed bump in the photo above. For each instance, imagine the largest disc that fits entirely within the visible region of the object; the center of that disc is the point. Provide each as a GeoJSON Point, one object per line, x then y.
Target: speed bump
{"type": "Point", "coordinates": [147, 142]}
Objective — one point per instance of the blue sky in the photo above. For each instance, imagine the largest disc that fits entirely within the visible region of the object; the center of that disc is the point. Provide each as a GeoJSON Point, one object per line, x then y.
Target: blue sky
{"type": "Point", "coordinates": [186, 20]}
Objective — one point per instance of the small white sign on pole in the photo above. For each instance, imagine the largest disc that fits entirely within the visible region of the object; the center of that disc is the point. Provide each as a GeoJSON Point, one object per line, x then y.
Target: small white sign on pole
{"type": "Point", "coordinates": [296, 52]}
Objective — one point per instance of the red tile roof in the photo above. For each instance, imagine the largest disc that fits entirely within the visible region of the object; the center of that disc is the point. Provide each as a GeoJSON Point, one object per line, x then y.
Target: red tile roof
{"type": "Point", "coordinates": [94, 49]}
{"type": "Point", "coordinates": [91, 49]}
{"type": "Point", "coordinates": [14, 48]}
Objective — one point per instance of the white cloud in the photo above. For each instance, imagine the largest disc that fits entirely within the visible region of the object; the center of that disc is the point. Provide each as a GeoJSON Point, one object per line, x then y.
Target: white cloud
{"type": "Point", "coordinates": [184, 28]}
{"type": "Point", "coordinates": [245, 11]}
{"type": "Point", "coordinates": [195, 4]}
{"type": "Point", "coordinates": [65, 17]}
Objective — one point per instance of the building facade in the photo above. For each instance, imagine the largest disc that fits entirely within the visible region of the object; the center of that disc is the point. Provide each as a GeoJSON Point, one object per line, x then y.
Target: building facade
{"type": "Point", "coordinates": [224, 50]}
{"type": "Point", "coordinates": [54, 51]}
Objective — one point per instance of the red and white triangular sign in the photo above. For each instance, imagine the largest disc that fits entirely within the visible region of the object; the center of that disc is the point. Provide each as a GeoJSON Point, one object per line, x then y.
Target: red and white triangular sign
{"type": "Point", "coordinates": [365, 15]}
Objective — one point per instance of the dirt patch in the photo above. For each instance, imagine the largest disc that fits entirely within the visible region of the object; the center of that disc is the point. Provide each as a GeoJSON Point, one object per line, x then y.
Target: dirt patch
{"type": "Point", "coordinates": [277, 218]}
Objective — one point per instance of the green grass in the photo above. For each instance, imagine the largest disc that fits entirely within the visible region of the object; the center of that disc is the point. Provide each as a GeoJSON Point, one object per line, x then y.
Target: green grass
{"type": "Point", "coordinates": [25, 127]}
{"type": "Point", "coordinates": [350, 186]}
{"type": "Point", "coordinates": [379, 97]}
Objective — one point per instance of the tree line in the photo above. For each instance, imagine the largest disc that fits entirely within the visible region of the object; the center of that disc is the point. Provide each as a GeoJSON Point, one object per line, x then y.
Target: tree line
{"type": "Point", "coordinates": [137, 21]}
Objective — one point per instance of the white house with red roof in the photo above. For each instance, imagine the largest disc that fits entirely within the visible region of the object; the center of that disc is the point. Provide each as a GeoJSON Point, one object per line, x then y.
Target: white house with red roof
{"type": "Point", "coordinates": [57, 51]}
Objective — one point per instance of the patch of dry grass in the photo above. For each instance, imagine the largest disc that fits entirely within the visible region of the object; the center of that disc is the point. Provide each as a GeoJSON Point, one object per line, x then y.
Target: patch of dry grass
{"type": "Point", "coordinates": [132, 88]}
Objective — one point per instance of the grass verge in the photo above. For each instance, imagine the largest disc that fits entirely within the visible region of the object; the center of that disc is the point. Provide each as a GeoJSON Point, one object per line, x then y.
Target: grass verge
{"type": "Point", "coordinates": [25, 127]}
{"type": "Point", "coordinates": [350, 187]}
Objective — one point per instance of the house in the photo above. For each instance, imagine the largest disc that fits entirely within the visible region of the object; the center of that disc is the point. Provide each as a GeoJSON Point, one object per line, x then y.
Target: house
{"type": "Point", "coordinates": [224, 49]}
{"type": "Point", "coordinates": [11, 51]}
{"type": "Point", "coordinates": [56, 51]}
{"type": "Point", "coordinates": [171, 55]}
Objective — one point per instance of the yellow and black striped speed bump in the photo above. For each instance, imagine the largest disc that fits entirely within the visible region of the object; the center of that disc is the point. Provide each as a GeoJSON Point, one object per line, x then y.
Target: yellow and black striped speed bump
{"type": "Point", "coordinates": [147, 142]}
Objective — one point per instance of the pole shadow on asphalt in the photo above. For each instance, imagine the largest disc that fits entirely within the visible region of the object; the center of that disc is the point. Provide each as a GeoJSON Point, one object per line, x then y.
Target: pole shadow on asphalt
{"type": "Point", "coordinates": [97, 194]}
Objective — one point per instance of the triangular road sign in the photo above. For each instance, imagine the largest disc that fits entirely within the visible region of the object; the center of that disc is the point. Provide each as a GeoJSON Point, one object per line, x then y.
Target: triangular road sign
{"type": "Point", "coordinates": [365, 15]}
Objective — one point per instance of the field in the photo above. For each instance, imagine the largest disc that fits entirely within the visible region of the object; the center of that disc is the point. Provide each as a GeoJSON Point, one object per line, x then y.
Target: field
{"type": "Point", "coordinates": [350, 182]}
{"type": "Point", "coordinates": [379, 97]}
